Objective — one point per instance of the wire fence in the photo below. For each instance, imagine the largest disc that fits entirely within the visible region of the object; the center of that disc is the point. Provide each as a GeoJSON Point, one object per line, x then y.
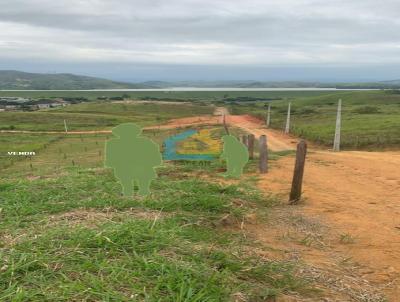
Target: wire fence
{"type": "Point", "coordinates": [363, 127]}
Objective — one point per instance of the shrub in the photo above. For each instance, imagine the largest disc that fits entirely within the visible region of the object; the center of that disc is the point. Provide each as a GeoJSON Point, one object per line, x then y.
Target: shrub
{"type": "Point", "coordinates": [306, 111]}
{"type": "Point", "coordinates": [366, 110]}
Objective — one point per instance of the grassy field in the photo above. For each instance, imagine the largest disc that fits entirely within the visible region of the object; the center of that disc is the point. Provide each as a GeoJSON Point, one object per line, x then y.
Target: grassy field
{"type": "Point", "coordinates": [98, 115]}
{"type": "Point", "coordinates": [55, 153]}
{"type": "Point", "coordinates": [167, 95]}
{"type": "Point", "coordinates": [74, 238]}
{"type": "Point", "coordinates": [66, 234]}
{"type": "Point", "coordinates": [370, 119]}
{"type": "Point", "coordinates": [84, 116]}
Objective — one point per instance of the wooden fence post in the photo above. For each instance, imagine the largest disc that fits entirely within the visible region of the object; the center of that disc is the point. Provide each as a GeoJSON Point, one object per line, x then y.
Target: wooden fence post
{"type": "Point", "coordinates": [263, 154]}
{"type": "Point", "coordinates": [244, 139]}
{"type": "Point", "coordinates": [250, 146]}
{"type": "Point", "coordinates": [225, 125]}
{"type": "Point", "coordinates": [269, 115]}
{"type": "Point", "coordinates": [295, 193]}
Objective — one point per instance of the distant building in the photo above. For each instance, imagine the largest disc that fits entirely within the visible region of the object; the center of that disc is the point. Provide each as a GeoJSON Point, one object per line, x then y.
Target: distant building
{"type": "Point", "coordinates": [22, 100]}
{"type": "Point", "coordinates": [43, 103]}
{"type": "Point", "coordinates": [14, 103]}
{"type": "Point", "coordinates": [60, 103]}
{"type": "Point", "coordinates": [51, 103]}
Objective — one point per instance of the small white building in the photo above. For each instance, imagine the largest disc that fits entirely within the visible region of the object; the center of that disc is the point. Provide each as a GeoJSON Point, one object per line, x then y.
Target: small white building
{"type": "Point", "coordinates": [43, 106]}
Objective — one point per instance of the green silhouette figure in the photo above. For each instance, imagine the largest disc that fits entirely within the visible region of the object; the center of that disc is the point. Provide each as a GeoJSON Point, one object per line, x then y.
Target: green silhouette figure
{"type": "Point", "coordinates": [133, 158]}
{"type": "Point", "coordinates": [235, 154]}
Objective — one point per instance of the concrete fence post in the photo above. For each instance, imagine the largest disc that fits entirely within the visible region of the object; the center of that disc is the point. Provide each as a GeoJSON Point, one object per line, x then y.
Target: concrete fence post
{"type": "Point", "coordinates": [287, 127]}
{"type": "Point", "coordinates": [336, 141]}
{"type": "Point", "coordinates": [65, 126]}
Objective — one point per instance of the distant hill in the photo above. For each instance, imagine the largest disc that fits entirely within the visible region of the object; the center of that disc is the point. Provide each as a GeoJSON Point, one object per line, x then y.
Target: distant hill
{"type": "Point", "coordinates": [17, 80]}
{"type": "Point", "coordinates": [393, 82]}
{"type": "Point", "coordinates": [237, 84]}
{"type": "Point", "coordinates": [274, 84]}
{"type": "Point", "coordinates": [10, 79]}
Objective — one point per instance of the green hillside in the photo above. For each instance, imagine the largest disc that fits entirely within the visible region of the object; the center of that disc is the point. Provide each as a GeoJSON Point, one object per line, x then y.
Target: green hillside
{"type": "Point", "coordinates": [10, 79]}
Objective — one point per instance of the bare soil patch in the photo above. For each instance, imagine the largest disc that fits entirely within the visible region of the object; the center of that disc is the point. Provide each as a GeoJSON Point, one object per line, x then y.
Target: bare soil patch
{"type": "Point", "coordinates": [355, 195]}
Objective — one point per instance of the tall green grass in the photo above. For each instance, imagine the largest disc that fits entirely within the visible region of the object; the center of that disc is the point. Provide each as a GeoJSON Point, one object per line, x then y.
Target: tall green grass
{"type": "Point", "coordinates": [98, 115]}
{"type": "Point", "coordinates": [74, 238]}
{"type": "Point", "coordinates": [370, 120]}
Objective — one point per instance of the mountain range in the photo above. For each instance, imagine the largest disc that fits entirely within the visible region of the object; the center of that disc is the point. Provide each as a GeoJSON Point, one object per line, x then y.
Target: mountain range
{"type": "Point", "coordinates": [18, 80]}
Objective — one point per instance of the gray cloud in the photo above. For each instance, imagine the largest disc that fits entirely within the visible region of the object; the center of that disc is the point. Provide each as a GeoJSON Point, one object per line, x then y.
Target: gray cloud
{"type": "Point", "coordinates": [255, 33]}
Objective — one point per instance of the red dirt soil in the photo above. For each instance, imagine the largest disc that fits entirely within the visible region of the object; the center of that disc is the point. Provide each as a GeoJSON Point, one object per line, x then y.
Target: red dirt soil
{"type": "Point", "coordinates": [355, 193]}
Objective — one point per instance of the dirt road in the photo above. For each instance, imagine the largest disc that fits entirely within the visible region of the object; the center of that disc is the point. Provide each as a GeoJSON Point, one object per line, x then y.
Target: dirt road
{"type": "Point", "coordinates": [357, 194]}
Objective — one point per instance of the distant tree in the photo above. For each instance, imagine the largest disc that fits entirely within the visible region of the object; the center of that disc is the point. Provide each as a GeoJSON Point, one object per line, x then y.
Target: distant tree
{"type": "Point", "coordinates": [116, 98]}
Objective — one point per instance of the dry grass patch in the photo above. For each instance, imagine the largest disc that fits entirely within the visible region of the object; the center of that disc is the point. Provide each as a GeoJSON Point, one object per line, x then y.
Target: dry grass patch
{"type": "Point", "coordinates": [95, 217]}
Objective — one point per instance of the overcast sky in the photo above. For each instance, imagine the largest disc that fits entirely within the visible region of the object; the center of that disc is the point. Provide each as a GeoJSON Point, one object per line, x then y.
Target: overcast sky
{"type": "Point", "coordinates": [135, 40]}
